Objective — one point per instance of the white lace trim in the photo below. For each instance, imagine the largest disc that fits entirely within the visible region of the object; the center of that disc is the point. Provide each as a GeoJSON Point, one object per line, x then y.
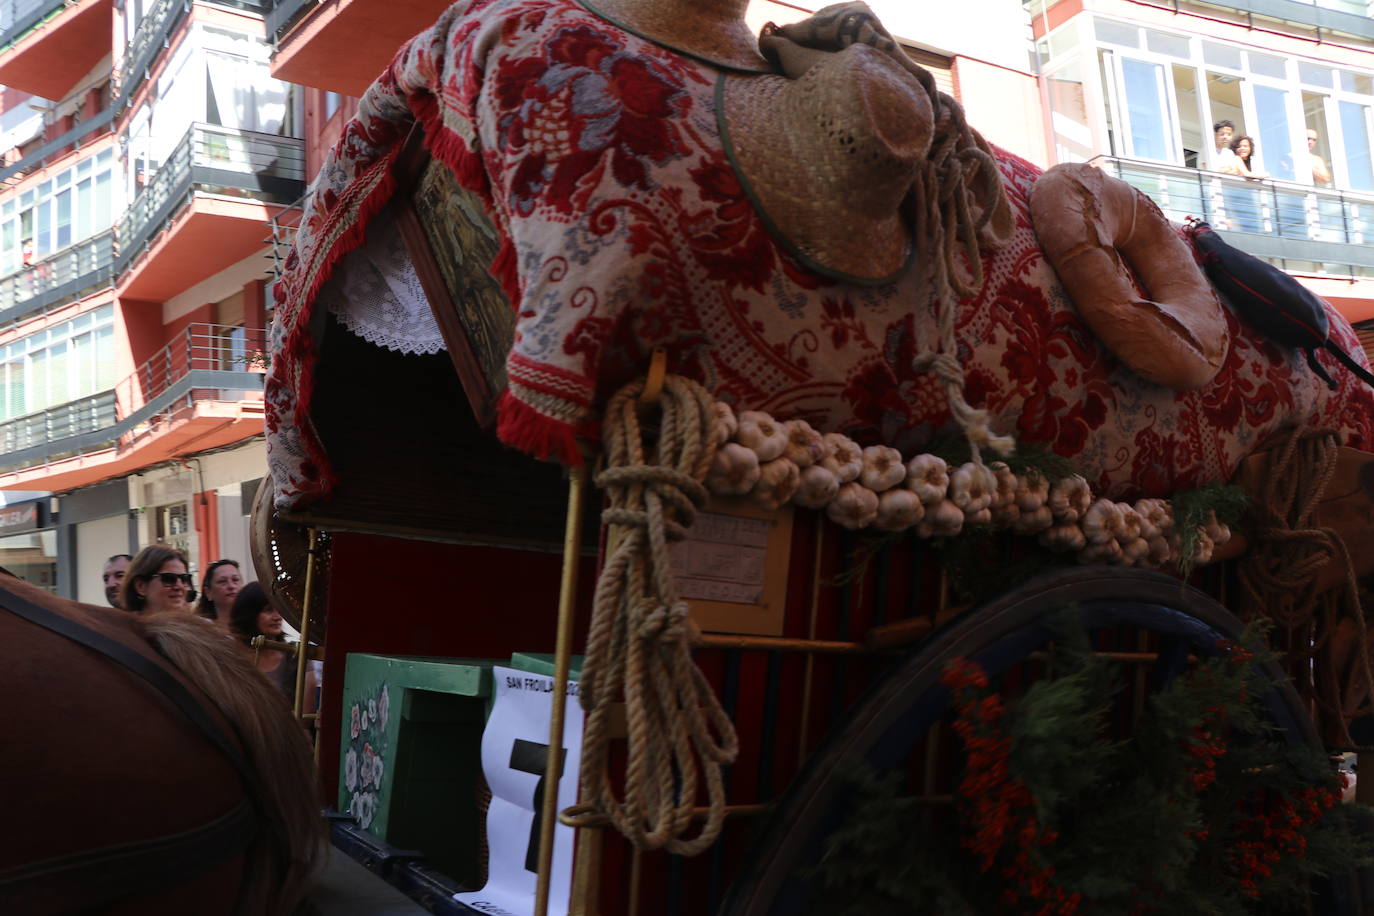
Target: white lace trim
{"type": "Point", "coordinates": [376, 294]}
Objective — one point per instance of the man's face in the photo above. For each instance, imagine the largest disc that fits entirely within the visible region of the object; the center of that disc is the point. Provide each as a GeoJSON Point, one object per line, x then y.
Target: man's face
{"type": "Point", "coordinates": [1224, 136]}
{"type": "Point", "coordinates": [113, 575]}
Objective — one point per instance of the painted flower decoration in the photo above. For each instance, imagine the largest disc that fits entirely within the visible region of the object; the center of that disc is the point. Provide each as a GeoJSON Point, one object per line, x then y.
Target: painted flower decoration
{"type": "Point", "coordinates": [351, 769]}
{"type": "Point", "coordinates": [372, 710]}
{"type": "Point", "coordinates": [367, 807]}
{"type": "Point", "coordinates": [377, 769]}
{"type": "Point", "coordinates": [383, 706]}
{"type": "Point", "coordinates": [354, 725]}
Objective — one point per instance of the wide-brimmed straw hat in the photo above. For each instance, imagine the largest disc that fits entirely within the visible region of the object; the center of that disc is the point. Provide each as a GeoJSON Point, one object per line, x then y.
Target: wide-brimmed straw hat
{"type": "Point", "coordinates": [829, 158]}
{"type": "Point", "coordinates": [713, 31]}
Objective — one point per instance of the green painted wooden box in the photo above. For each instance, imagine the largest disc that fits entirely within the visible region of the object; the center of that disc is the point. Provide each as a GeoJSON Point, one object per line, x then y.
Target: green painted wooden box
{"type": "Point", "coordinates": [410, 758]}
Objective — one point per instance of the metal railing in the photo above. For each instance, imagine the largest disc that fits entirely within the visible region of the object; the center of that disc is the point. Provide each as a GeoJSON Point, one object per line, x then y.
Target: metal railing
{"type": "Point", "coordinates": [1280, 218]}
{"type": "Point", "coordinates": [215, 160]}
{"type": "Point", "coordinates": [1350, 17]}
{"type": "Point", "coordinates": [99, 123]}
{"type": "Point", "coordinates": [283, 15]}
{"type": "Point", "coordinates": [85, 266]}
{"type": "Point", "coordinates": [19, 17]}
{"type": "Point", "coordinates": [153, 35]}
{"type": "Point", "coordinates": [63, 422]}
{"type": "Point", "coordinates": [205, 362]}
{"type": "Point", "coordinates": [149, 38]}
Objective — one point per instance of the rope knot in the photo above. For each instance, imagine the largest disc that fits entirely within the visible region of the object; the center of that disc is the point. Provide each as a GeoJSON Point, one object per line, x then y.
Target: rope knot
{"type": "Point", "coordinates": [946, 366]}
{"type": "Point", "coordinates": [665, 623]}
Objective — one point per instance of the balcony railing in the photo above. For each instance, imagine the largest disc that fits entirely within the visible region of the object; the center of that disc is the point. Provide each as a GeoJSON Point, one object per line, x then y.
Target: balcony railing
{"type": "Point", "coordinates": [19, 17]}
{"type": "Point", "coordinates": [283, 15]}
{"type": "Point", "coordinates": [154, 34]}
{"type": "Point", "coordinates": [205, 362]}
{"type": "Point", "coordinates": [216, 160]}
{"type": "Point", "coordinates": [1281, 219]}
{"type": "Point", "coordinates": [83, 267]}
{"type": "Point", "coordinates": [1351, 17]}
{"type": "Point", "coordinates": [74, 137]}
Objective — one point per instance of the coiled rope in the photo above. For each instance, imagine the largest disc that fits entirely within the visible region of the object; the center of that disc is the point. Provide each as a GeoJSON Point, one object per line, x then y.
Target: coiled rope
{"type": "Point", "coordinates": [638, 648]}
{"type": "Point", "coordinates": [1279, 573]}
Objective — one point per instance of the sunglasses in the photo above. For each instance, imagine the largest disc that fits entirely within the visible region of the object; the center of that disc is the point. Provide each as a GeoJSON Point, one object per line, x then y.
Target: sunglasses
{"type": "Point", "coordinates": [170, 579]}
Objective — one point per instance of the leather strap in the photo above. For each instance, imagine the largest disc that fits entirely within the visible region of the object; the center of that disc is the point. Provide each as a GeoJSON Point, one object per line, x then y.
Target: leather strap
{"type": "Point", "coordinates": [129, 866]}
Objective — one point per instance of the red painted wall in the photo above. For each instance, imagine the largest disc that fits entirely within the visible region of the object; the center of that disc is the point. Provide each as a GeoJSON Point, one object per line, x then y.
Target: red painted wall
{"type": "Point", "coordinates": [400, 597]}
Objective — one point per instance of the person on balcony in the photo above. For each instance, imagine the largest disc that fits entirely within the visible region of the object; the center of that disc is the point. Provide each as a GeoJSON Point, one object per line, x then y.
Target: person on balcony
{"type": "Point", "coordinates": [1222, 131]}
{"type": "Point", "coordinates": [1321, 175]}
{"type": "Point", "coordinates": [1242, 205]}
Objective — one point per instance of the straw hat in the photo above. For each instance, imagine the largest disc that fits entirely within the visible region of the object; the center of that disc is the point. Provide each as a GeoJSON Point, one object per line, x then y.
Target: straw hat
{"type": "Point", "coordinates": [712, 31]}
{"type": "Point", "coordinates": [829, 158]}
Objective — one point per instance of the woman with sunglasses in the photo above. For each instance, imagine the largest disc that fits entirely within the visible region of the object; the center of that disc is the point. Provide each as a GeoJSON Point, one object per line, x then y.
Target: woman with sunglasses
{"type": "Point", "coordinates": [157, 581]}
{"type": "Point", "coordinates": [217, 592]}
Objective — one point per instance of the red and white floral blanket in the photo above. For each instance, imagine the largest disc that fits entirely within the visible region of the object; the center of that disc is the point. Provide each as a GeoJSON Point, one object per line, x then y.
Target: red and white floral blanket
{"type": "Point", "coordinates": [625, 227]}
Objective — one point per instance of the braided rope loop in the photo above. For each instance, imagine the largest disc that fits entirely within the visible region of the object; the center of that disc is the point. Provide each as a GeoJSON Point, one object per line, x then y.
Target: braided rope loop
{"type": "Point", "coordinates": [639, 644]}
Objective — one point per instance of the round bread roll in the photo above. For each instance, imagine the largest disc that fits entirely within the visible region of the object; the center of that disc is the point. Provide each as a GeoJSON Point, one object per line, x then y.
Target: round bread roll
{"type": "Point", "coordinates": [1097, 231]}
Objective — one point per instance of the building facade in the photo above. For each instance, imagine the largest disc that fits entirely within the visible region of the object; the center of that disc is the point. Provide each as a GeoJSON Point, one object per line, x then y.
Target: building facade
{"type": "Point", "coordinates": [147, 151]}
{"type": "Point", "coordinates": [152, 152]}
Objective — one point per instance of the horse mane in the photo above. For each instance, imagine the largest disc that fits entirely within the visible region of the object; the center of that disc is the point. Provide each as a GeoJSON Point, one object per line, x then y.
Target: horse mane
{"type": "Point", "coordinates": [282, 862]}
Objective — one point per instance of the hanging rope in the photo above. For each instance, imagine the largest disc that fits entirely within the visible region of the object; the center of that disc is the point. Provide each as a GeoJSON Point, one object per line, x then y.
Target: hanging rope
{"type": "Point", "coordinates": [638, 649]}
{"type": "Point", "coordinates": [1279, 575]}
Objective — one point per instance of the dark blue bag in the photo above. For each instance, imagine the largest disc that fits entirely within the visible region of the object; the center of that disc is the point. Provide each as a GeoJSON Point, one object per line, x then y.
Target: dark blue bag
{"type": "Point", "coordinates": [1271, 301]}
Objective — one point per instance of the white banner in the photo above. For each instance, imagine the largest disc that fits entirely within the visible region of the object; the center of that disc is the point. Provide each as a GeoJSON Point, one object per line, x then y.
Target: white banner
{"type": "Point", "coordinates": [514, 757]}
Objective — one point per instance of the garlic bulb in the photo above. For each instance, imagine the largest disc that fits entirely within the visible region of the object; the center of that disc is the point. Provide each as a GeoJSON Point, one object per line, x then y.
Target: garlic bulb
{"type": "Point", "coordinates": [1033, 522]}
{"type": "Point", "coordinates": [1160, 551]}
{"type": "Point", "coordinates": [928, 477]}
{"type": "Point", "coordinates": [725, 421]}
{"type": "Point", "coordinates": [1134, 552]}
{"type": "Point", "coordinates": [971, 487]}
{"type": "Point", "coordinates": [1130, 528]}
{"type": "Point", "coordinates": [804, 445]}
{"type": "Point", "coordinates": [734, 470]}
{"type": "Point", "coordinates": [761, 433]}
{"type": "Point", "coordinates": [882, 468]}
{"type": "Point", "coordinates": [817, 488]}
{"type": "Point", "coordinates": [1004, 494]}
{"type": "Point", "coordinates": [1108, 551]}
{"type": "Point", "coordinates": [1154, 517]}
{"type": "Point", "coordinates": [845, 460]}
{"type": "Point", "coordinates": [1070, 498]}
{"type": "Point", "coordinates": [1063, 538]}
{"type": "Point", "coordinates": [898, 510]}
{"type": "Point", "coordinates": [778, 480]}
{"type": "Point", "coordinates": [1218, 531]}
{"type": "Point", "coordinates": [1032, 492]}
{"type": "Point", "coordinates": [1101, 522]}
{"type": "Point", "coordinates": [854, 506]}
{"type": "Point", "coordinates": [944, 519]}
{"type": "Point", "coordinates": [1202, 554]}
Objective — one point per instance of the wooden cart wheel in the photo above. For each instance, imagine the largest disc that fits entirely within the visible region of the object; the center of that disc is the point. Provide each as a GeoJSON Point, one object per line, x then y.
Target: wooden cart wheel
{"type": "Point", "coordinates": [898, 712]}
{"type": "Point", "coordinates": [280, 550]}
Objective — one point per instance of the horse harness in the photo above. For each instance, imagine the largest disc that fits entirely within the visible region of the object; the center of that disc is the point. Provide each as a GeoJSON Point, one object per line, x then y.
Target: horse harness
{"type": "Point", "coordinates": [125, 868]}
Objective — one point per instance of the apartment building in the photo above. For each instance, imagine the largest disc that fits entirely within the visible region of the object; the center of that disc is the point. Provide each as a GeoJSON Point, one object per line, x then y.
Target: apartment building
{"type": "Point", "coordinates": [147, 150]}
{"type": "Point", "coordinates": [1136, 86]}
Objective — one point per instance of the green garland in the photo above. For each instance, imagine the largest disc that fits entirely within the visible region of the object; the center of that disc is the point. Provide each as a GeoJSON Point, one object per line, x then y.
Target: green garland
{"type": "Point", "coordinates": [1204, 809]}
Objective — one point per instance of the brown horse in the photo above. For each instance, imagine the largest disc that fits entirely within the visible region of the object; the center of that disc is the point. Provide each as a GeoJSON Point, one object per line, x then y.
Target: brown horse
{"type": "Point", "coordinates": [146, 767]}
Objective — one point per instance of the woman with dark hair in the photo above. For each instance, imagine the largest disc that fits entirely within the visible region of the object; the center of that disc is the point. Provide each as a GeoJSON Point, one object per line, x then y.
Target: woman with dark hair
{"type": "Point", "coordinates": [157, 581]}
{"type": "Point", "coordinates": [253, 615]}
{"type": "Point", "coordinates": [217, 591]}
{"type": "Point", "coordinates": [1243, 206]}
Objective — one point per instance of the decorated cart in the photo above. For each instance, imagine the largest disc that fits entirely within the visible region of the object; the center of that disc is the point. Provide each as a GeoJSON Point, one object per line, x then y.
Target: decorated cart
{"type": "Point", "coordinates": [930, 496]}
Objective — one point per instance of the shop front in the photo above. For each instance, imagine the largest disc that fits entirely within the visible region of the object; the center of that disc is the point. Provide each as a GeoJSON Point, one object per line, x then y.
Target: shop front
{"type": "Point", "coordinates": [28, 545]}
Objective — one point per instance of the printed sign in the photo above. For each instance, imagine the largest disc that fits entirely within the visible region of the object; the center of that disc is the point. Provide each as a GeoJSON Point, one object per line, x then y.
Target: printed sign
{"type": "Point", "coordinates": [731, 569]}
{"type": "Point", "coordinates": [515, 747]}
{"type": "Point", "coordinates": [722, 559]}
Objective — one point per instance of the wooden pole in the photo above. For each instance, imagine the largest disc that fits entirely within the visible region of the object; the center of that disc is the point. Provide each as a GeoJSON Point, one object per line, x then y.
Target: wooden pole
{"type": "Point", "coordinates": [567, 601]}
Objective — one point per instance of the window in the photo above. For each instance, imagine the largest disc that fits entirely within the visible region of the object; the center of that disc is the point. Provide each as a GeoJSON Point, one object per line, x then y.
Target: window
{"type": "Point", "coordinates": [68, 209]}
{"type": "Point", "coordinates": [66, 362]}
